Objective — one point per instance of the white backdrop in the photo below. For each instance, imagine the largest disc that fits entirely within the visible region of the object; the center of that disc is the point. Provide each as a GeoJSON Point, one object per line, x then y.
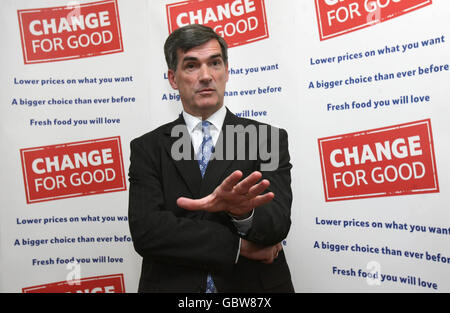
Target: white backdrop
{"type": "Point", "coordinates": [289, 50]}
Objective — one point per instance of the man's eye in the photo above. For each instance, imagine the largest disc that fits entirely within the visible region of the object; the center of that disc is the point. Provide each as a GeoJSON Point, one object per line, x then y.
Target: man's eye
{"type": "Point", "coordinates": [190, 66]}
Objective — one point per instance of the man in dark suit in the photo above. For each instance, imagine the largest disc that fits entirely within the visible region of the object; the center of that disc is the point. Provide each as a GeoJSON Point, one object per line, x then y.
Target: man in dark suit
{"type": "Point", "coordinates": [213, 219]}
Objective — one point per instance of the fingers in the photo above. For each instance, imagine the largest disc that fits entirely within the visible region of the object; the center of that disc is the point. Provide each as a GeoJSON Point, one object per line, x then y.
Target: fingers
{"type": "Point", "coordinates": [278, 248]}
{"type": "Point", "coordinates": [231, 180]}
{"type": "Point", "coordinates": [250, 204]}
{"type": "Point", "coordinates": [245, 185]}
{"type": "Point", "coordinates": [236, 197]}
{"type": "Point", "coordinates": [273, 254]}
{"type": "Point", "coordinates": [248, 186]}
{"type": "Point", "coordinates": [262, 199]}
{"type": "Point", "coordinates": [255, 190]}
{"type": "Point", "coordinates": [256, 252]}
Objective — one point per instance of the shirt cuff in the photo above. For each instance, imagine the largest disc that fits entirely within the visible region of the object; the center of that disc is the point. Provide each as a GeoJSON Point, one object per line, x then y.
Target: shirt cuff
{"type": "Point", "coordinates": [243, 226]}
{"type": "Point", "coordinates": [239, 251]}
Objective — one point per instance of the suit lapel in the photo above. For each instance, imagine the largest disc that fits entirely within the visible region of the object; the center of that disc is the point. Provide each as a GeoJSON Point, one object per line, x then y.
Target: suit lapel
{"type": "Point", "coordinates": [188, 168]}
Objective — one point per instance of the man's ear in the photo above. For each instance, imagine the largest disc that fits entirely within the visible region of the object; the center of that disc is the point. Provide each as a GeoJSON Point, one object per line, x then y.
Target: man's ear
{"type": "Point", "coordinates": [172, 79]}
{"type": "Point", "coordinates": [227, 75]}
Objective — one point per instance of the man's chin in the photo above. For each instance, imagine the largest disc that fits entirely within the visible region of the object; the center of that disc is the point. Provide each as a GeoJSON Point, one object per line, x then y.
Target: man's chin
{"type": "Point", "coordinates": [208, 105]}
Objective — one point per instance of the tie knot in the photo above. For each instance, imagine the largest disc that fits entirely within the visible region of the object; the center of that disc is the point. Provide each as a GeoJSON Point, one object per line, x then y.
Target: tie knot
{"type": "Point", "coordinates": [205, 127]}
{"type": "Point", "coordinates": [205, 123]}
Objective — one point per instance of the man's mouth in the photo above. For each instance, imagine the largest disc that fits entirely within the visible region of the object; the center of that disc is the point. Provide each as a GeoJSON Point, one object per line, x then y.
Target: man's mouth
{"type": "Point", "coordinates": [206, 91]}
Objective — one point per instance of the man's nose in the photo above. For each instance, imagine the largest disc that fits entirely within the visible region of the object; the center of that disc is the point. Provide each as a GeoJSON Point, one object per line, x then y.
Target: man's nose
{"type": "Point", "coordinates": [205, 74]}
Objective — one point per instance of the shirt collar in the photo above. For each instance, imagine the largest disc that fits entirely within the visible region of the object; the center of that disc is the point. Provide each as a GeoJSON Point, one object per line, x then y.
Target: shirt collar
{"type": "Point", "coordinates": [216, 119]}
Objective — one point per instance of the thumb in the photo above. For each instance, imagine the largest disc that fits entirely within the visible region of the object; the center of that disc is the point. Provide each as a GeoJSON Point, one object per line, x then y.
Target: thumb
{"type": "Point", "coordinates": [186, 203]}
{"type": "Point", "coordinates": [191, 204]}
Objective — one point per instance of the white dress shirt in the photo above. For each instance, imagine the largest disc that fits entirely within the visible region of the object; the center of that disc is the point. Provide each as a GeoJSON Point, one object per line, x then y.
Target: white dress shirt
{"type": "Point", "coordinates": [194, 126]}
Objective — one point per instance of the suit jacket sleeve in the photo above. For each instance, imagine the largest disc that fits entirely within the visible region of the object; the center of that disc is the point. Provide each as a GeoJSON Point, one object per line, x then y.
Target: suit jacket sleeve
{"type": "Point", "coordinates": [271, 222]}
{"type": "Point", "coordinates": [160, 234]}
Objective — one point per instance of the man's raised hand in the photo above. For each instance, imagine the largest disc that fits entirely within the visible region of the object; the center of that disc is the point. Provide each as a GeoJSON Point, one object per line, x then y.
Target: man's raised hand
{"type": "Point", "coordinates": [234, 197]}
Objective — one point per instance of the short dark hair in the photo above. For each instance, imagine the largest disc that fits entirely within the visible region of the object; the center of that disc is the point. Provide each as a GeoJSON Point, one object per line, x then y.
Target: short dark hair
{"type": "Point", "coordinates": [188, 37]}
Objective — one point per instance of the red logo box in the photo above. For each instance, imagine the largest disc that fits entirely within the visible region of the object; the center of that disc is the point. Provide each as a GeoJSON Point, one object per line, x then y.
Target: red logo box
{"type": "Point", "coordinates": [73, 169]}
{"type": "Point", "coordinates": [390, 161]}
{"type": "Point", "coordinates": [70, 32]}
{"type": "Point", "coordinates": [239, 22]}
{"type": "Point", "coordinates": [339, 17]}
{"type": "Point", "coordinates": [99, 284]}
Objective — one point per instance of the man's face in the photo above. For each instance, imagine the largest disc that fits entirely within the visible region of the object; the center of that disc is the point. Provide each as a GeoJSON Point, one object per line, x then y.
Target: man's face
{"type": "Point", "coordinates": [200, 78]}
